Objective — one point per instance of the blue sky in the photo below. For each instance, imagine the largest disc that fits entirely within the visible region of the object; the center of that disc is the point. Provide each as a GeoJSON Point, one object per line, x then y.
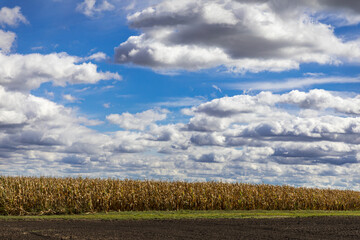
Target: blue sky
{"type": "Point", "coordinates": [230, 90]}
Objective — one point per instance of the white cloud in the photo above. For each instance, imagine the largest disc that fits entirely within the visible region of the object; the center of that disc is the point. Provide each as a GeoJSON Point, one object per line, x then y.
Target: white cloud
{"type": "Point", "coordinates": [93, 7]}
{"type": "Point", "coordinates": [248, 138]}
{"type": "Point", "coordinates": [49, 94]}
{"type": "Point", "coordinates": [46, 136]}
{"type": "Point", "coordinates": [99, 56]}
{"type": "Point", "coordinates": [322, 99]}
{"type": "Point", "coordinates": [263, 103]}
{"type": "Point", "coordinates": [138, 121]}
{"type": "Point", "coordinates": [6, 41]}
{"type": "Point", "coordinates": [294, 83]}
{"type": "Point", "coordinates": [27, 72]}
{"type": "Point", "coordinates": [344, 13]}
{"type": "Point", "coordinates": [70, 98]}
{"type": "Point", "coordinates": [240, 35]}
{"type": "Point", "coordinates": [11, 16]}
{"type": "Point", "coordinates": [34, 122]}
{"type": "Point", "coordinates": [217, 88]}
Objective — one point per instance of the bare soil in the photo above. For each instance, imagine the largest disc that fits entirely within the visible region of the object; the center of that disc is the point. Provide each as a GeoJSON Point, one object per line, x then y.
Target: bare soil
{"type": "Point", "coordinates": [271, 228]}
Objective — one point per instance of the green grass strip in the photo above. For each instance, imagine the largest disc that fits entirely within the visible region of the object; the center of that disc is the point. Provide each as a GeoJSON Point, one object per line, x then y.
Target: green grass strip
{"type": "Point", "coordinates": [148, 215]}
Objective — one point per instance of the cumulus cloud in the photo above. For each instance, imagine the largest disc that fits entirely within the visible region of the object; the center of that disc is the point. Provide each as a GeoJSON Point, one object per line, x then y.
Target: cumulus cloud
{"type": "Point", "coordinates": [210, 158]}
{"type": "Point", "coordinates": [240, 35]}
{"type": "Point", "coordinates": [263, 103]}
{"type": "Point", "coordinates": [211, 139]}
{"type": "Point", "coordinates": [27, 72]}
{"type": "Point", "coordinates": [38, 135]}
{"type": "Point", "coordinates": [138, 121]}
{"type": "Point", "coordinates": [345, 13]}
{"type": "Point", "coordinates": [300, 138]}
{"type": "Point", "coordinates": [99, 56]}
{"type": "Point", "coordinates": [50, 137]}
{"type": "Point", "coordinates": [6, 41]}
{"type": "Point", "coordinates": [93, 7]}
{"type": "Point", "coordinates": [297, 127]}
{"type": "Point", "coordinates": [70, 98]}
{"type": "Point", "coordinates": [301, 128]}
{"type": "Point", "coordinates": [296, 83]}
{"type": "Point", "coordinates": [321, 99]}
{"type": "Point", "coordinates": [31, 122]}
{"type": "Point", "coordinates": [11, 16]}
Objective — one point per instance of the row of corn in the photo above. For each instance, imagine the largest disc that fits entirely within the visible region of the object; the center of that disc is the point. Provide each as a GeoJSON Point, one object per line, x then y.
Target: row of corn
{"type": "Point", "coordinates": [47, 195]}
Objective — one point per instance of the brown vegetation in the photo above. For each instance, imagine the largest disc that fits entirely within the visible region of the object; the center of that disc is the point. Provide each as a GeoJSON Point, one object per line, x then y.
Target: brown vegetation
{"type": "Point", "coordinates": [45, 195]}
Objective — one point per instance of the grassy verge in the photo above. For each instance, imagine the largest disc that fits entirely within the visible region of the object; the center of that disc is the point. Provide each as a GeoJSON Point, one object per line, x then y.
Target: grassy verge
{"type": "Point", "coordinates": [148, 215]}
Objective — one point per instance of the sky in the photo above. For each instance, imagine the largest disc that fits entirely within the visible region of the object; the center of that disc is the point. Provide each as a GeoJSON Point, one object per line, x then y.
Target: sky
{"type": "Point", "coordinates": [255, 91]}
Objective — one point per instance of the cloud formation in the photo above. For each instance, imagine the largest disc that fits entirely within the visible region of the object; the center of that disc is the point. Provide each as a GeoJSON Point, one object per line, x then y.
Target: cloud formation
{"type": "Point", "coordinates": [138, 121]}
{"type": "Point", "coordinates": [11, 17]}
{"type": "Point", "coordinates": [240, 35]}
{"type": "Point", "coordinates": [6, 41]}
{"type": "Point", "coordinates": [27, 72]}
{"type": "Point", "coordinates": [37, 134]}
{"type": "Point", "coordinates": [312, 136]}
{"type": "Point", "coordinates": [92, 7]}
{"type": "Point", "coordinates": [69, 97]}
{"type": "Point", "coordinates": [99, 56]}
{"type": "Point", "coordinates": [294, 83]}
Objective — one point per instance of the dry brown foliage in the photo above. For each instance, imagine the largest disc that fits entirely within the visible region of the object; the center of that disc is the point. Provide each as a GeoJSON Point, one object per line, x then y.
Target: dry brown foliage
{"type": "Point", "coordinates": [46, 195]}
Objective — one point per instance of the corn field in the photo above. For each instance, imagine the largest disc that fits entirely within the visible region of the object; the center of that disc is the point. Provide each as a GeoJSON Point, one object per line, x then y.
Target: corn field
{"type": "Point", "coordinates": [46, 195]}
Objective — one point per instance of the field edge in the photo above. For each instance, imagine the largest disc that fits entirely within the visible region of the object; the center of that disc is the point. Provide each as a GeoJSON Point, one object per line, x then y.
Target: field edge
{"type": "Point", "coordinates": [186, 214]}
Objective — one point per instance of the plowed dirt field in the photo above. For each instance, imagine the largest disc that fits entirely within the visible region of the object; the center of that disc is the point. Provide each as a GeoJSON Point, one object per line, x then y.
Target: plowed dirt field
{"type": "Point", "coordinates": [270, 228]}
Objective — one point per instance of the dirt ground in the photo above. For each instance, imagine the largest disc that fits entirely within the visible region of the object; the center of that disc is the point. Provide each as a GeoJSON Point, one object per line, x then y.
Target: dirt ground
{"type": "Point", "coordinates": [278, 228]}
